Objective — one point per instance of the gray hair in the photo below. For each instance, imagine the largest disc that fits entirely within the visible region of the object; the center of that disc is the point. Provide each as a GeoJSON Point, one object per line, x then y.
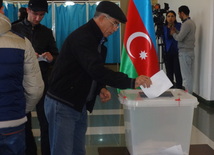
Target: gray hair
{"type": "Point", "coordinates": [97, 14]}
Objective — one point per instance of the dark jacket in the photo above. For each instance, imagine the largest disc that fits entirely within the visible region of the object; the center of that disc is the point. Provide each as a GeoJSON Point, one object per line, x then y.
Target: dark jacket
{"type": "Point", "coordinates": [78, 64]}
{"type": "Point", "coordinates": [170, 42]}
{"type": "Point", "coordinates": [42, 40]}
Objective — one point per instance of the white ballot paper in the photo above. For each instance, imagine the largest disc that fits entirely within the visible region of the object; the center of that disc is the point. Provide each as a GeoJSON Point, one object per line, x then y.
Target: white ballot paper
{"type": "Point", "coordinates": [174, 150]}
{"type": "Point", "coordinates": [41, 58]}
{"type": "Point", "coordinates": [160, 83]}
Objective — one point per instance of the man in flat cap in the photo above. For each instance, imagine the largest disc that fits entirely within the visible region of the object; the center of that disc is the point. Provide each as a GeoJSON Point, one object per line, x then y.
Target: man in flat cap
{"type": "Point", "coordinates": [78, 76]}
{"type": "Point", "coordinates": [44, 45]}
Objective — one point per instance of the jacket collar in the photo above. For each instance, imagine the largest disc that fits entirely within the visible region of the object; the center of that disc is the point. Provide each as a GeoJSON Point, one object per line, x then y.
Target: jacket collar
{"type": "Point", "coordinates": [28, 23]}
{"type": "Point", "coordinates": [98, 33]}
{"type": "Point", "coordinates": [5, 24]}
{"type": "Point", "coordinates": [185, 19]}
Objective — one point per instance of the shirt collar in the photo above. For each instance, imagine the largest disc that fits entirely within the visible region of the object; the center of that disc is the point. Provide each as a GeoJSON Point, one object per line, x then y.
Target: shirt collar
{"type": "Point", "coordinates": [97, 31]}
{"type": "Point", "coordinates": [185, 19]}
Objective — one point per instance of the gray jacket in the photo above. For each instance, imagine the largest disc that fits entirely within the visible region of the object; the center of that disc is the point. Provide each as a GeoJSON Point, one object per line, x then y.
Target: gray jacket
{"type": "Point", "coordinates": [186, 35]}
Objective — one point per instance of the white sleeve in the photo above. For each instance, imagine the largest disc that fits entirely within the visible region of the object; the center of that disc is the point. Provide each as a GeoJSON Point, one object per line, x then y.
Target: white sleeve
{"type": "Point", "coordinates": [32, 81]}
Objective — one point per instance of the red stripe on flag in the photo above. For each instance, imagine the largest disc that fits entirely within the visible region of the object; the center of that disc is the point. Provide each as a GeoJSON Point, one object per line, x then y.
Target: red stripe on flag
{"type": "Point", "coordinates": [138, 43]}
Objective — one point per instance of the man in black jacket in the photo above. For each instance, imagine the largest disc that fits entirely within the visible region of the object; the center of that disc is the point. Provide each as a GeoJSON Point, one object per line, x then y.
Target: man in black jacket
{"type": "Point", "coordinates": [44, 45]}
{"type": "Point", "coordinates": [79, 76]}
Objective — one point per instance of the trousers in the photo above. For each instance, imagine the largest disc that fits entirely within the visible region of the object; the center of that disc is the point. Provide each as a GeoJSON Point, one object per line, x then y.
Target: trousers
{"type": "Point", "coordinates": [12, 140]}
{"type": "Point", "coordinates": [186, 59]}
{"type": "Point", "coordinates": [67, 128]}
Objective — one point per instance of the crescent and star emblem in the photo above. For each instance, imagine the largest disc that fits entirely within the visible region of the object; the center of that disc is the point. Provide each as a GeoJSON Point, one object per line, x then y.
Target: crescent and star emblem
{"type": "Point", "coordinates": [132, 37]}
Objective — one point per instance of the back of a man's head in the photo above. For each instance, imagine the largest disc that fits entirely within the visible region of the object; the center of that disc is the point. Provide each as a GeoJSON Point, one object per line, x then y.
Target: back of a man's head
{"type": "Point", "coordinates": [38, 5]}
{"type": "Point", "coordinates": [184, 9]}
{"type": "Point", "coordinates": [22, 13]}
{"type": "Point", "coordinates": [157, 6]}
{"type": "Point", "coordinates": [1, 3]}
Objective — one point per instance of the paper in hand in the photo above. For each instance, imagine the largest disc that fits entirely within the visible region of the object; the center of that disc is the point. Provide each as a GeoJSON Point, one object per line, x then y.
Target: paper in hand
{"type": "Point", "coordinates": [160, 83]}
{"type": "Point", "coordinates": [41, 58]}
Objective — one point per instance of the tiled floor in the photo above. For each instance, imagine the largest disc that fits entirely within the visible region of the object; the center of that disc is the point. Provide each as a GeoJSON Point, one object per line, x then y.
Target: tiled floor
{"type": "Point", "coordinates": [106, 126]}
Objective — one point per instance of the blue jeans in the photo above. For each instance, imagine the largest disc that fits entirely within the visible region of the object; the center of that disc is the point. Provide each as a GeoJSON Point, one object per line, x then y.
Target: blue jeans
{"type": "Point", "coordinates": [67, 128]}
{"type": "Point", "coordinates": [12, 140]}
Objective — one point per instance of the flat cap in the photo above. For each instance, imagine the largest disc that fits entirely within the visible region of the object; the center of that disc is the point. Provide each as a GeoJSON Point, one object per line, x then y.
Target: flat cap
{"type": "Point", "coordinates": [38, 5]}
{"type": "Point", "coordinates": [112, 10]}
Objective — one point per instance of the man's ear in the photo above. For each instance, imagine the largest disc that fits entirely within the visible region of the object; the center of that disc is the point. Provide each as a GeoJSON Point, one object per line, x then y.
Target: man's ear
{"type": "Point", "coordinates": [102, 17]}
{"type": "Point", "coordinates": [99, 20]}
{"type": "Point", "coordinates": [27, 9]}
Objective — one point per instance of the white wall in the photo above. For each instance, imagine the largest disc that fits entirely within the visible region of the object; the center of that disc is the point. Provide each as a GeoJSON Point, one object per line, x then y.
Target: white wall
{"type": "Point", "coordinates": [202, 13]}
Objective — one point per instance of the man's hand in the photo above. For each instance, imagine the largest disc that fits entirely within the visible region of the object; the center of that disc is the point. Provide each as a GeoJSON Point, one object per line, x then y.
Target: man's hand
{"type": "Point", "coordinates": [143, 80]}
{"type": "Point", "coordinates": [105, 95]}
{"type": "Point", "coordinates": [37, 55]}
{"type": "Point", "coordinates": [47, 56]}
{"type": "Point", "coordinates": [172, 30]}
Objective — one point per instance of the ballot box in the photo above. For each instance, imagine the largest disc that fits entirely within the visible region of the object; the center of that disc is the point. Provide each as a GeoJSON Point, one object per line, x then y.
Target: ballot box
{"type": "Point", "coordinates": [158, 126]}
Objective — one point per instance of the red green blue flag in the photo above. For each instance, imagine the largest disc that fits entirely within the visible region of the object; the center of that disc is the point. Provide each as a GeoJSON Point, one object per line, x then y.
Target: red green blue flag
{"type": "Point", "coordinates": [139, 56]}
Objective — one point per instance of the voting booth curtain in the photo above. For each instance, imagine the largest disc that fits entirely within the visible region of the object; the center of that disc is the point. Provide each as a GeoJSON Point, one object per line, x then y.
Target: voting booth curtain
{"type": "Point", "coordinates": [63, 19]}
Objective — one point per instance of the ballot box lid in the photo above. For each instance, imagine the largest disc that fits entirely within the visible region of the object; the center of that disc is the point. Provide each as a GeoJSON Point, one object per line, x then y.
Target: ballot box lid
{"type": "Point", "coordinates": [173, 97]}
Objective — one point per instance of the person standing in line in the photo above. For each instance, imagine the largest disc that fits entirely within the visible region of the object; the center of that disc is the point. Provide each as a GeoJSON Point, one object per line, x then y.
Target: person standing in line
{"type": "Point", "coordinates": [170, 54]}
{"type": "Point", "coordinates": [186, 44]}
{"type": "Point", "coordinates": [44, 45]}
{"type": "Point", "coordinates": [22, 14]}
{"type": "Point", "coordinates": [21, 87]}
{"type": "Point", "coordinates": [79, 75]}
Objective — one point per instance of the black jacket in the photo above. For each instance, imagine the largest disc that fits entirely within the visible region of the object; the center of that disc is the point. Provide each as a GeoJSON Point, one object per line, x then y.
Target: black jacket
{"type": "Point", "coordinates": [78, 64]}
{"type": "Point", "coordinates": [42, 41]}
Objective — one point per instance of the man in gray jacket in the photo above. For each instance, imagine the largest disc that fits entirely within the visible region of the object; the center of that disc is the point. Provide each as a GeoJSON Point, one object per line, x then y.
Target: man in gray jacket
{"type": "Point", "coordinates": [21, 87]}
{"type": "Point", "coordinates": [186, 44]}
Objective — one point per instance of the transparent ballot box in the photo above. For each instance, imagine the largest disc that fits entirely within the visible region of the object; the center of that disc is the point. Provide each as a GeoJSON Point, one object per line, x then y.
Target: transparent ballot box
{"type": "Point", "coordinates": [158, 126]}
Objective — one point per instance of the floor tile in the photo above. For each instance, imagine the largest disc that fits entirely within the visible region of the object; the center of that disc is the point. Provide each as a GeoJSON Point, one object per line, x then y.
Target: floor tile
{"type": "Point", "coordinates": [105, 120]}
{"type": "Point", "coordinates": [105, 140]}
{"type": "Point", "coordinates": [105, 130]}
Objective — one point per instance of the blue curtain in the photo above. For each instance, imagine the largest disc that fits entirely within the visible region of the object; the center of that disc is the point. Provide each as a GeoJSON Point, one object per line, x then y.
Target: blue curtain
{"type": "Point", "coordinates": [11, 11]}
{"type": "Point", "coordinates": [113, 45]}
{"type": "Point", "coordinates": [67, 19]}
{"type": "Point", "coordinates": [92, 9]}
{"type": "Point", "coordinates": [47, 20]}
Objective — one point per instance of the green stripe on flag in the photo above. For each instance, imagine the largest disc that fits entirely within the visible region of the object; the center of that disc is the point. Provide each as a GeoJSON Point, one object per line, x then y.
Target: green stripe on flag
{"type": "Point", "coordinates": [126, 65]}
